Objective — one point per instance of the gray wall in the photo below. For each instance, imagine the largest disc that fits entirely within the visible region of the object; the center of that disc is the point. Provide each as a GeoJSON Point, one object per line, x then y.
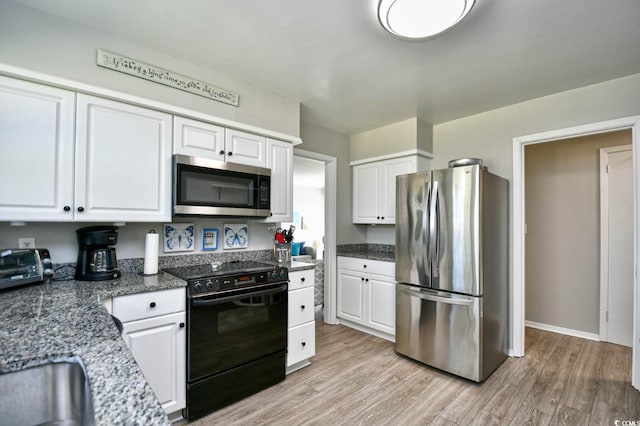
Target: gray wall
{"type": "Point", "coordinates": [328, 142]}
{"type": "Point", "coordinates": [563, 227]}
{"type": "Point", "coordinates": [406, 135]}
{"type": "Point", "coordinates": [36, 41]}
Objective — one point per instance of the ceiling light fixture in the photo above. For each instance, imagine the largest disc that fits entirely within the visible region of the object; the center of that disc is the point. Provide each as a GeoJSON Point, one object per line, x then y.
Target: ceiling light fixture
{"type": "Point", "coordinates": [419, 19]}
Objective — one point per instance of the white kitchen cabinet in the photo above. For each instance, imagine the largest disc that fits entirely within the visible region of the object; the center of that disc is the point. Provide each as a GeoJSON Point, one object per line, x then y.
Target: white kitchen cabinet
{"type": "Point", "coordinates": [123, 162]}
{"type": "Point", "coordinates": [154, 330]}
{"type": "Point", "coordinates": [205, 140]}
{"type": "Point", "coordinates": [245, 148]}
{"type": "Point", "coordinates": [36, 151]}
{"type": "Point", "coordinates": [366, 295]}
{"type": "Point", "coordinates": [115, 167]}
{"type": "Point", "coordinates": [280, 161]}
{"type": "Point", "coordinates": [198, 139]}
{"type": "Point", "coordinates": [301, 333]}
{"type": "Point", "coordinates": [374, 189]}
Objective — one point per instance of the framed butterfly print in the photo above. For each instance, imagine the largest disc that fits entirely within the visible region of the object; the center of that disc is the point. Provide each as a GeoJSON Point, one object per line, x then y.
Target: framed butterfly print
{"type": "Point", "coordinates": [236, 236]}
{"type": "Point", "coordinates": [210, 239]}
{"type": "Point", "coordinates": [178, 237]}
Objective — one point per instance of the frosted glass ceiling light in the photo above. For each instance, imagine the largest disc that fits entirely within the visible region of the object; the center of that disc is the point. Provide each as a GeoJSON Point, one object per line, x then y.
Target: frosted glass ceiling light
{"type": "Point", "coordinates": [417, 19]}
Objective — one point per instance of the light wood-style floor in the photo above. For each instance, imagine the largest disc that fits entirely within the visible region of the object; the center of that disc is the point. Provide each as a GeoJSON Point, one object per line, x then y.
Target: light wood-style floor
{"type": "Point", "coordinates": [358, 379]}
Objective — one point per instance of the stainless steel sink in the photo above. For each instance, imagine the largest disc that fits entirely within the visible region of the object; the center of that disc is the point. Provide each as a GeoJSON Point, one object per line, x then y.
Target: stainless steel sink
{"type": "Point", "coordinates": [51, 394]}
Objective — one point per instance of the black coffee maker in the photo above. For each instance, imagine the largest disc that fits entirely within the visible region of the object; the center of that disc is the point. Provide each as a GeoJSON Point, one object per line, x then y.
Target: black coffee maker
{"type": "Point", "coordinates": [96, 260]}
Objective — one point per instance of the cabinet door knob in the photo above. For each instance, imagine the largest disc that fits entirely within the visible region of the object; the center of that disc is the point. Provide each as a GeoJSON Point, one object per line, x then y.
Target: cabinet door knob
{"type": "Point", "coordinates": [66, 208]}
{"type": "Point", "coordinates": [152, 304]}
{"type": "Point", "coordinates": [377, 217]}
{"type": "Point", "coordinates": [362, 279]}
{"type": "Point", "coordinates": [304, 344]}
{"type": "Point", "coordinates": [364, 266]}
{"type": "Point", "coordinates": [367, 280]}
{"type": "Point", "coordinates": [382, 217]}
{"type": "Point", "coordinates": [81, 209]}
{"type": "Point", "coordinates": [302, 279]}
{"type": "Point", "coordinates": [221, 152]}
{"type": "Point", "coordinates": [181, 325]}
{"type": "Point", "coordinates": [302, 307]}
{"type": "Point", "coordinates": [229, 153]}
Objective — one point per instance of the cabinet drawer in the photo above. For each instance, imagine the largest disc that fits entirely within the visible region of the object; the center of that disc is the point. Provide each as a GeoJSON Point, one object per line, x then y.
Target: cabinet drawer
{"type": "Point", "coordinates": [368, 266]}
{"type": "Point", "coordinates": [300, 306]}
{"type": "Point", "coordinates": [301, 343]}
{"type": "Point", "coordinates": [301, 279]}
{"type": "Point", "coordinates": [146, 305]}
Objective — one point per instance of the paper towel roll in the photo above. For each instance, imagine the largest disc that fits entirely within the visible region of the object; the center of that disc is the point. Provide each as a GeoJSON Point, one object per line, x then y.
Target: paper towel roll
{"type": "Point", "coordinates": [151, 245]}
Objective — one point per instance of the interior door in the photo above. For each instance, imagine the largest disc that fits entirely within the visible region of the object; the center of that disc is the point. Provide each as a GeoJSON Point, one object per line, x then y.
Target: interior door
{"type": "Point", "coordinates": [618, 223]}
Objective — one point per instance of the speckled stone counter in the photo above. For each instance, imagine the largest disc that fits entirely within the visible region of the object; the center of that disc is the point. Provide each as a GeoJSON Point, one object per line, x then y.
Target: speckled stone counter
{"type": "Point", "coordinates": [44, 323]}
{"type": "Point", "coordinates": [383, 252]}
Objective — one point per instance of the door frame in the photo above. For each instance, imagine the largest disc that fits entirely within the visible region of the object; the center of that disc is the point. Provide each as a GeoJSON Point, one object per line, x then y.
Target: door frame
{"type": "Point", "coordinates": [518, 226]}
{"type": "Point", "coordinates": [604, 236]}
{"type": "Point", "coordinates": [330, 197]}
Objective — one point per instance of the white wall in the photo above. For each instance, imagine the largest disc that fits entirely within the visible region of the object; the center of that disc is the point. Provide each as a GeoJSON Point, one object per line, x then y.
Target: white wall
{"type": "Point", "coordinates": [60, 238]}
{"type": "Point", "coordinates": [489, 135]}
{"type": "Point", "coordinates": [36, 41]}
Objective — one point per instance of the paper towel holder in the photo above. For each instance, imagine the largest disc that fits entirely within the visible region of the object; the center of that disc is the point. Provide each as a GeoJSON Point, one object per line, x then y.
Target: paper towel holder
{"type": "Point", "coordinates": [150, 259]}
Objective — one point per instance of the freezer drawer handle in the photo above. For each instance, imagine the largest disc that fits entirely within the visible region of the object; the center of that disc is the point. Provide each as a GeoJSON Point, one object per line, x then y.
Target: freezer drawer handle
{"type": "Point", "coordinates": [442, 299]}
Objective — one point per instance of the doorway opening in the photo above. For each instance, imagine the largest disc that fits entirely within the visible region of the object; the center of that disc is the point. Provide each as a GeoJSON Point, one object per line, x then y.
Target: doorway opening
{"type": "Point", "coordinates": [517, 308]}
{"type": "Point", "coordinates": [314, 216]}
{"type": "Point", "coordinates": [563, 234]}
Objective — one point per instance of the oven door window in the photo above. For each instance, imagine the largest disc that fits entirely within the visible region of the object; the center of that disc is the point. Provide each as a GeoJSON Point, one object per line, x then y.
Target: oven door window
{"type": "Point", "coordinates": [228, 334]}
{"type": "Point", "coordinates": [220, 188]}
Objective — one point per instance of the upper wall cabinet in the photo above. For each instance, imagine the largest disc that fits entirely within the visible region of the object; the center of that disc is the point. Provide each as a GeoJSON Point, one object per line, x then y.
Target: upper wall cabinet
{"type": "Point", "coordinates": [374, 189]}
{"type": "Point", "coordinates": [200, 139]}
{"type": "Point", "coordinates": [116, 167]}
{"type": "Point", "coordinates": [123, 162]}
{"type": "Point", "coordinates": [36, 151]}
{"type": "Point", "coordinates": [280, 161]}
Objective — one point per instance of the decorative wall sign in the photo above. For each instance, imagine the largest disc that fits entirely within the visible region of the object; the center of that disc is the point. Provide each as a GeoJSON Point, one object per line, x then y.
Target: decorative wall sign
{"type": "Point", "coordinates": [136, 68]}
{"type": "Point", "coordinates": [178, 237]}
{"type": "Point", "coordinates": [236, 236]}
{"type": "Point", "coordinates": [210, 239]}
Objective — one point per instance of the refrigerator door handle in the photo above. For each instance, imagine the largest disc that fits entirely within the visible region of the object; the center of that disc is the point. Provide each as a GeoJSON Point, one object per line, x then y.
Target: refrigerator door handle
{"type": "Point", "coordinates": [433, 230]}
{"type": "Point", "coordinates": [427, 230]}
{"type": "Point", "coordinates": [432, 297]}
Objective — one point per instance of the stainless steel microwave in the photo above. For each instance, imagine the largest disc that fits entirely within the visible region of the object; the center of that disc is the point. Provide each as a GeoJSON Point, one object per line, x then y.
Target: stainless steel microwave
{"type": "Point", "coordinates": [204, 187]}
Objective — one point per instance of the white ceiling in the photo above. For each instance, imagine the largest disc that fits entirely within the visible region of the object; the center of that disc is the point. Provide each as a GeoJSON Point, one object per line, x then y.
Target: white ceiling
{"type": "Point", "coordinates": [350, 76]}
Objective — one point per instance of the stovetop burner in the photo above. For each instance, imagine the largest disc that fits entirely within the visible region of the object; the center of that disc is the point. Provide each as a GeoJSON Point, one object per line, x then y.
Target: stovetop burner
{"type": "Point", "coordinates": [218, 269]}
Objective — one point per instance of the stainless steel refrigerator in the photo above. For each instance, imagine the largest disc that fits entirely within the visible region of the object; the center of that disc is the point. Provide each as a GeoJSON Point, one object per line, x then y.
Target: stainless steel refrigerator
{"type": "Point", "coordinates": [452, 269]}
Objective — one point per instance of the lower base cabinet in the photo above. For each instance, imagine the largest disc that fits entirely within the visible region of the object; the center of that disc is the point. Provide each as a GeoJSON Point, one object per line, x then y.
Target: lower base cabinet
{"type": "Point", "coordinates": [367, 295]}
{"type": "Point", "coordinates": [301, 333]}
{"type": "Point", "coordinates": [154, 329]}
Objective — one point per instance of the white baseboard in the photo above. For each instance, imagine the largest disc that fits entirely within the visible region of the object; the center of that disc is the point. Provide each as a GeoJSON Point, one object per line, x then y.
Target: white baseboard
{"type": "Point", "coordinates": [562, 330]}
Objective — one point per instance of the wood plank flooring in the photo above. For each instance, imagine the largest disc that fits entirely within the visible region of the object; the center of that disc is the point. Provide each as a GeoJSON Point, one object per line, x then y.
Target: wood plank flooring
{"type": "Point", "coordinates": [358, 379]}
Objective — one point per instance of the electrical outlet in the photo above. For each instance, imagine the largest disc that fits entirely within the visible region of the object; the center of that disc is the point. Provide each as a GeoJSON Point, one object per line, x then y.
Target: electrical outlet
{"type": "Point", "coordinates": [29, 242]}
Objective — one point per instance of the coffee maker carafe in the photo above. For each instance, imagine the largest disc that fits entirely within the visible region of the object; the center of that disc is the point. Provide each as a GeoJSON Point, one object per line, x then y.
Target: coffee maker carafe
{"type": "Point", "coordinates": [96, 259]}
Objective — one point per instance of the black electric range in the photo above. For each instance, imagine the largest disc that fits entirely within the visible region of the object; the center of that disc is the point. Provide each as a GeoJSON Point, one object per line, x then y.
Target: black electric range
{"type": "Point", "coordinates": [236, 331]}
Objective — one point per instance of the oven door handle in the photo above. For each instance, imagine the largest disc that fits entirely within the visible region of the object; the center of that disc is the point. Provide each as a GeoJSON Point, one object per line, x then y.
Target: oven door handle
{"type": "Point", "coordinates": [208, 302]}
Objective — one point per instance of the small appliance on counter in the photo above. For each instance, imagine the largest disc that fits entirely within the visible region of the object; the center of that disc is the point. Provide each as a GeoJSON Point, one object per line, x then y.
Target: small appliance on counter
{"type": "Point", "coordinates": [24, 266]}
{"type": "Point", "coordinates": [96, 259]}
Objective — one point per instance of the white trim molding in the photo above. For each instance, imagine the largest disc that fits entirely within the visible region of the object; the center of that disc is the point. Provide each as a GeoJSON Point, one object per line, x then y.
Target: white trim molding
{"type": "Point", "coordinates": [418, 152]}
{"type": "Point", "coordinates": [562, 330]}
{"type": "Point", "coordinates": [518, 226]}
{"type": "Point", "coordinates": [330, 223]}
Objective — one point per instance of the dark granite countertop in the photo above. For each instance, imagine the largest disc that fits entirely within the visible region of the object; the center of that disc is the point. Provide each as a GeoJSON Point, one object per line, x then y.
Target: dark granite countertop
{"type": "Point", "coordinates": [44, 323]}
{"type": "Point", "coordinates": [383, 252]}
